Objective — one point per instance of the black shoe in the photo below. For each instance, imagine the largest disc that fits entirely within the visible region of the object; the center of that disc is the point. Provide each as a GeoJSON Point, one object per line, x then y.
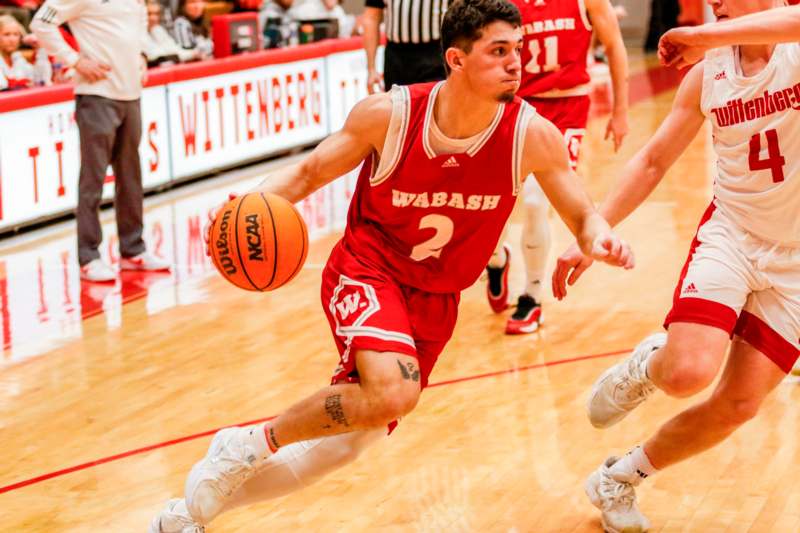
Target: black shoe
{"type": "Point", "coordinates": [526, 318]}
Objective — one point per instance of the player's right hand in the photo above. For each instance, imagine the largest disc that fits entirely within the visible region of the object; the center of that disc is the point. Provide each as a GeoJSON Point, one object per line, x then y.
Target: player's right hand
{"type": "Point", "coordinates": [212, 216]}
{"type": "Point", "coordinates": [92, 70]}
{"type": "Point", "coordinates": [569, 267]}
{"type": "Point", "coordinates": [374, 82]}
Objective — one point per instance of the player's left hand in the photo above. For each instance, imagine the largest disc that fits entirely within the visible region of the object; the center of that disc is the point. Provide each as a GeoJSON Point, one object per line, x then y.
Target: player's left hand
{"type": "Point", "coordinates": [679, 47]}
{"type": "Point", "coordinates": [212, 216]}
{"type": "Point", "coordinates": [610, 249]}
{"type": "Point", "coordinates": [617, 127]}
{"type": "Point", "coordinates": [569, 267]}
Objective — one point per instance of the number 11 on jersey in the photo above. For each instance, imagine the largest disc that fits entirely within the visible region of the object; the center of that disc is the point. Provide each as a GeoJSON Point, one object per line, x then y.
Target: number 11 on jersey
{"type": "Point", "coordinates": [550, 55]}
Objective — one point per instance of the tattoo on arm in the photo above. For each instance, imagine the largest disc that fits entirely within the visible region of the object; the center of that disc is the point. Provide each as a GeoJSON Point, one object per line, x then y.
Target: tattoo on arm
{"type": "Point", "coordinates": [409, 371]}
{"type": "Point", "coordinates": [333, 407]}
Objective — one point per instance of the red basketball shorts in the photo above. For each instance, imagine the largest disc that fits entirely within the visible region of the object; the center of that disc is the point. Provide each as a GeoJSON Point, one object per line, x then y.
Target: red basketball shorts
{"type": "Point", "coordinates": [368, 310]}
{"type": "Point", "coordinates": [570, 115]}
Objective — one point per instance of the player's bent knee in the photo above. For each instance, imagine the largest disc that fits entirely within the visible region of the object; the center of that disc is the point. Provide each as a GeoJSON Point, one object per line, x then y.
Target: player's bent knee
{"type": "Point", "coordinates": [392, 402]}
{"type": "Point", "coordinates": [688, 374]}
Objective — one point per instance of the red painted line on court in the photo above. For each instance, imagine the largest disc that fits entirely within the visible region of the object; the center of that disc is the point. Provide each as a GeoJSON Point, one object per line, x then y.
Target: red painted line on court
{"type": "Point", "coordinates": [528, 367]}
{"type": "Point", "coordinates": [139, 451]}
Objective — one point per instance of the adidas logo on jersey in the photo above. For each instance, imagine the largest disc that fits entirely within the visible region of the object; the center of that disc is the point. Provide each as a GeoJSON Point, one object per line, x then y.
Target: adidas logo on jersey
{"type": "Point", "coordinates": [451, 162]}
{"type": "Point", "coordinates": [690, 289]}
{"type": "Point", "coordinates": [721, 76]}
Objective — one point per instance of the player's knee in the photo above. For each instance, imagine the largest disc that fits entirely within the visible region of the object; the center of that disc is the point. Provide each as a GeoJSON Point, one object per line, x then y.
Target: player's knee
{"type": "Point", "coordinates": [689, 372]}
{"type": "Point", "coordinates": [391, 402]}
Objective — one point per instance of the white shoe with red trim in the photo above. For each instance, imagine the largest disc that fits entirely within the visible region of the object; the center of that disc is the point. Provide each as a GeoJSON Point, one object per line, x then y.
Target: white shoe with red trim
{"type": "Point", "coordinates": [143, 261]}
{"type": "Point", "coordinates": [97, 271]}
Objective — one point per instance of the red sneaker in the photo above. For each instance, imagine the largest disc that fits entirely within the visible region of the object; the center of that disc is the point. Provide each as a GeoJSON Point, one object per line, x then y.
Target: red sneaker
{"type": "Point", "coordinates": [527, 318]}
{"type": "Point", "coordinates": [497, 286]}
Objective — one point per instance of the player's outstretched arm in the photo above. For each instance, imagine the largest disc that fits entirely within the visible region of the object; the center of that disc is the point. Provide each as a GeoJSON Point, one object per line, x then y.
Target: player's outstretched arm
{"type": "Point", "coordinates": [685, 46]}
{"type": "Point", "coordinates": [647, 168]}
{"type": "Point", "coordinates": [364, 131]}
{"type": "Point", "coordinates": [642, 173]}
{"type": "Point", "coordinates": [606, 26]}
{"type": "Point", "coordinates": [545, 155]}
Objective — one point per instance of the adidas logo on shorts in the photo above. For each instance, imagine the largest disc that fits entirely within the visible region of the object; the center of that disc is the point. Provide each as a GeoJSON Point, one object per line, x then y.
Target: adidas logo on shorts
{"type": "Point", "coordinates": [690, 289]}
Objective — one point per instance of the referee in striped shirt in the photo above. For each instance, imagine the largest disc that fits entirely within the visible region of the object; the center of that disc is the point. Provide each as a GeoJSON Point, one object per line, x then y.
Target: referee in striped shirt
{"type": "Point", "coordinates": [413, 53]}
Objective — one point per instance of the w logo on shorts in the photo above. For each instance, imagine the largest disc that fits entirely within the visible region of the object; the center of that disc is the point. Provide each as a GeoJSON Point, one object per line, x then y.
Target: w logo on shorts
{"type": "Point", "coordinates": [352, 302]}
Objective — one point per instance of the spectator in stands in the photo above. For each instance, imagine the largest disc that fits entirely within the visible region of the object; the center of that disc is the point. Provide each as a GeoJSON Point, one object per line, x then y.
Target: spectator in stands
{"type": "Point", "coordinates": [275, 9]}
{"type": "Point", "coordinates": [15, 71]}
{"type": "Point", "coordinates": [190, 30]}
{"type": "Point", "coordinates": [276, 22]}
{"type": "Point", "coordinates": [324, 9]}
{"type": "Point", "coordinates": [22, 10]}
{"type": "Point", "coordinates": [160, 48]}
{"type": "Point", "coordinates": [110, 71]}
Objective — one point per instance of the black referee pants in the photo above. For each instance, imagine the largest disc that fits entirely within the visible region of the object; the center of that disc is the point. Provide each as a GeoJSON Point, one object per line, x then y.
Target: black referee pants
{"type": "Point", "coordinates": [407, 63]}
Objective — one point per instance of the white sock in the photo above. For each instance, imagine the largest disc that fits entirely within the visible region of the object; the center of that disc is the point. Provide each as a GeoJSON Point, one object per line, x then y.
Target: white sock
{"type": "Point", "coordinates": [257, 440]}
{"type": "Point", "coordinates": [633, 467]}
{"type": "Point", "coordinates": [535, 241]}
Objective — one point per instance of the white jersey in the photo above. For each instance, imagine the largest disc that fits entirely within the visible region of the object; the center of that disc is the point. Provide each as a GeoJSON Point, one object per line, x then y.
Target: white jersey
{"type": "Point", "coordinates": [756, 129]}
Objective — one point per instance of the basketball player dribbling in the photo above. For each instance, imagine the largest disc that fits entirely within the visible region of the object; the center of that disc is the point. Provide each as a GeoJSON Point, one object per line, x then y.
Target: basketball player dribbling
{"type": "Point", "coordinates": [443, 163]}
{"type": "Point", "coordinates": [742, 278]}
{"type": "Point", "coordinates": [557, 35]}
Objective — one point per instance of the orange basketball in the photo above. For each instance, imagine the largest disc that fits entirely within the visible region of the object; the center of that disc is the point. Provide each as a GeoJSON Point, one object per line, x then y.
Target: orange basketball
{"type": "Point", "coordinates": [258, 241]}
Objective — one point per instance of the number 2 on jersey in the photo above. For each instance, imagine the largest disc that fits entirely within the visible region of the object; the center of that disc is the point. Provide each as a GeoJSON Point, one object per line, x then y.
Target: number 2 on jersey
{"type": "Point", "coordinates": [774, 160]}
{"type": "Point", "coordinates": [550, 55]}
{"type": "Point", "coordinates": [433, 246]}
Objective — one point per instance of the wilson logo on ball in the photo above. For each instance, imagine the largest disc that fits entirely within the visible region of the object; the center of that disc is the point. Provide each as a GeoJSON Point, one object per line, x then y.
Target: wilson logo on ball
{"type": "Point", "coordinates": [223, 247]}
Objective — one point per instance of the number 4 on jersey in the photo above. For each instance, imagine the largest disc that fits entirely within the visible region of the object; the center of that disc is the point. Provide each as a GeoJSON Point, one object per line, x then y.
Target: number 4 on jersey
{"type": "Point", "coordinates": [774, 160]}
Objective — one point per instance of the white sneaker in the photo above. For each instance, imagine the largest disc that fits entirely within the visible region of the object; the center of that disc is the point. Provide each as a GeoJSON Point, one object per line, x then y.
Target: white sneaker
{"type": "Point", "coordinates": [213, 480]}
{"type": "Point", "coordinates": [616, 500]}
{"type": "Point", "coordinates": [624, 386]}
{"type": "Point", "coordinates": [143, 261]}
{"type": "Point", "coordinates": [97, 271]}
{"type": "Point", "coordinates": [175, 518]}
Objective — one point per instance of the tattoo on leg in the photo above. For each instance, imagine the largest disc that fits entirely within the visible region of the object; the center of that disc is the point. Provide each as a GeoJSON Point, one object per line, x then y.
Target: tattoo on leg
{"type": "Point", "coordinates": [272, 438]}
{"type": "Point", "coordinates": [409, 371]}
{"type": "Point", "coordinates": [333, 407]}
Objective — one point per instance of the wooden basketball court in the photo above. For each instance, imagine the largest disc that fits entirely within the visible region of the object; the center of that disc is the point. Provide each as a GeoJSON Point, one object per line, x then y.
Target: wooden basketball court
{"type": "Point", "coordinates": [101, 425]}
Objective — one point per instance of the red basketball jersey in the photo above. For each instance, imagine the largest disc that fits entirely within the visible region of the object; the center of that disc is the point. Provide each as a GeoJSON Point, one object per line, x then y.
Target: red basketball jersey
{"type": "Point", "coordinates": [556, 39]}
{"type": "Point", "coordinates": [432, 221]}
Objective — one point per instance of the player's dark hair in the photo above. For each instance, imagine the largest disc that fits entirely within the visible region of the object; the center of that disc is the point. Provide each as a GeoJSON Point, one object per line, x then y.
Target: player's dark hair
{"type": "Point", "coordinates": [465, 19]}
